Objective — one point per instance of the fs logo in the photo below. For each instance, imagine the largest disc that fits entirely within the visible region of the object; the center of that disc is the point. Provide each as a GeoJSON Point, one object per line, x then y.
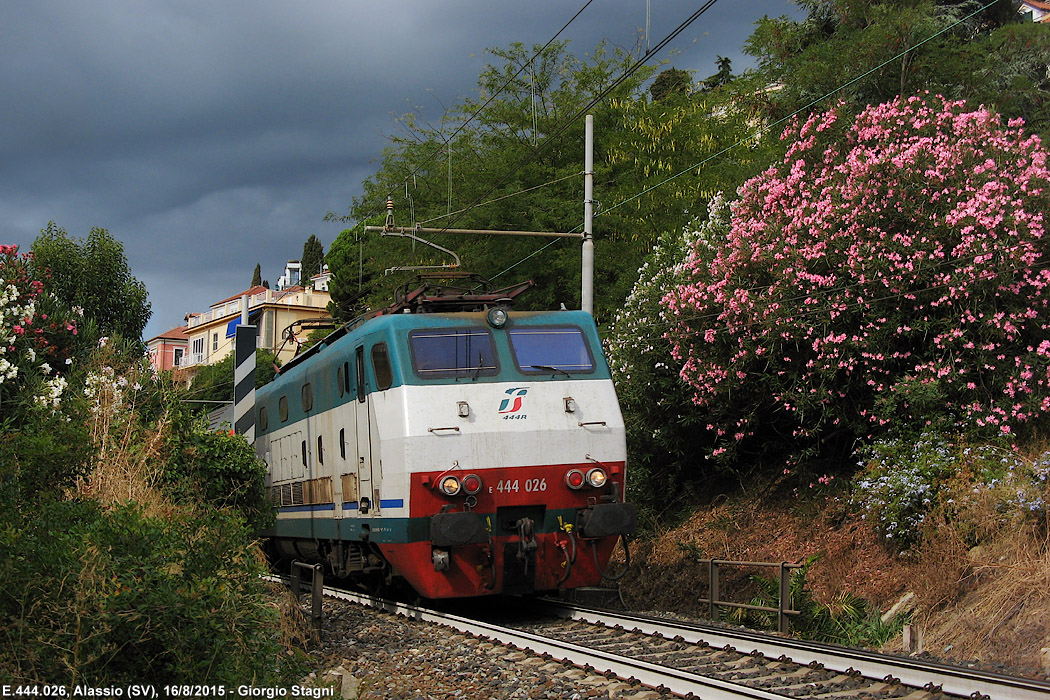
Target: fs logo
{"type": "Point", "coordinates": [512, 404]}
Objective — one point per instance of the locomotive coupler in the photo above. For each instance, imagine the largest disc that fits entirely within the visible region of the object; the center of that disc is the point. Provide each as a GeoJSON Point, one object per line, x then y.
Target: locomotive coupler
{"type": "Point", "coordinates": [526, 538]}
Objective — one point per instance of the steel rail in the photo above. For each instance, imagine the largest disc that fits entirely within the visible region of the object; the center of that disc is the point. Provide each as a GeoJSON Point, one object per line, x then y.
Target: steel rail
{"type": "Point", "coordinates": [651, 675]}
{"type": "Point", "coordinates": [909, 671]}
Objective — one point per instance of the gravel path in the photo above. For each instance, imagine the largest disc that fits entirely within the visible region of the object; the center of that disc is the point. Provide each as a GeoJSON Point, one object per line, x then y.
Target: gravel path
{"type": "Point", "coordinates": [382, 656]}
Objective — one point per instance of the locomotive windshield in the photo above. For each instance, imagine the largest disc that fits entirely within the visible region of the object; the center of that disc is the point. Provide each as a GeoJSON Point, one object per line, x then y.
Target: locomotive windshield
{"type": "Point", "coordinates": [452, 352]}
{"type": "Point", "coordinates": [545, 348]}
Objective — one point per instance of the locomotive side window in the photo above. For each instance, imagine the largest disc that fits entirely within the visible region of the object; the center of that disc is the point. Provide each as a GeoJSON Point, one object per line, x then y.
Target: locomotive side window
{"type": "Point", "coordinates": [381, 366]}
{"type": "Point", "coordinates": [544, 349]}
{"type": "Point", "coordinates": [342, 443]}
{"type": "Point", "coordinates": [320, 451]}
{"type": "Point", "coordinates": [264, 418]}
{"type": "Point", "coordinates": [340, 378]}
{"type": "Point", "coordinates": [452, 352]}
{"type": "Point", "coordinates": [360, 359]}
{"type": "Point", "coordinates": [308, 396]}
{"type": "Point", "coordinates": [282, 408]}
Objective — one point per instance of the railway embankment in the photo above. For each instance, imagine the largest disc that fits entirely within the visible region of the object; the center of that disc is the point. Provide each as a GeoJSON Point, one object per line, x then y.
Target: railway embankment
{"type": "Point", "coordinates": [972, 586]}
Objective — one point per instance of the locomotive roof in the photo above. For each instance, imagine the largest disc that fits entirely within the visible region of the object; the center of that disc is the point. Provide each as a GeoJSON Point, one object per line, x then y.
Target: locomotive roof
{"type": "Point", "coordinates": [408, 321]}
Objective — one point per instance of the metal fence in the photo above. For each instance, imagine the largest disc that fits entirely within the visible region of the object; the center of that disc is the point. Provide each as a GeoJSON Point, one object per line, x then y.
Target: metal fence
{"type": "Point", "coordinates": [783, 608]}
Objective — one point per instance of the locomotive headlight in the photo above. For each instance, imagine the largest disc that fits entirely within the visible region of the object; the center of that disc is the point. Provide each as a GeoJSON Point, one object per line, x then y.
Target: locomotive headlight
{"type": "Point", "coordinates": [471, 484]}
{"type": "Point", "coordinates": [597, 477]}
{"type": "Point", "coordinates": [450, 486]}
{"type": "Point", "coordinates": [574, 479]}
{"type": "Point", "coordinates": [497, 317]}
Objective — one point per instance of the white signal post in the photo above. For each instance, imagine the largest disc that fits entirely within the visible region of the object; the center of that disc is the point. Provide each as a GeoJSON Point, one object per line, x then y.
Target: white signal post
{"type": "Point", "coordinates": [587, 273]}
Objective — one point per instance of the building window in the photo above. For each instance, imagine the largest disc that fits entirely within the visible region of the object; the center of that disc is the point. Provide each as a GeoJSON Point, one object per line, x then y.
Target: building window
{"type": "Point", "coordinates": [177, 360]}
{"type": "Point", "coordinates": [214, 342]}
{"type": "Point", "coordinates": [198, 346]}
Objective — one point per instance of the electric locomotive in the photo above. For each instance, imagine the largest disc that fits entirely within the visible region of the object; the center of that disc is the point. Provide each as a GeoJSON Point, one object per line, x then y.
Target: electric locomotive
{"type": "Point", "coordinates": [451, 442]}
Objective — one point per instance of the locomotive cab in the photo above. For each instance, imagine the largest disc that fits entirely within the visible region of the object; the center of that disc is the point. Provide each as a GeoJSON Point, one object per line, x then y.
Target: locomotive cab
{"type": "Point", "coordinates": [469, 453]}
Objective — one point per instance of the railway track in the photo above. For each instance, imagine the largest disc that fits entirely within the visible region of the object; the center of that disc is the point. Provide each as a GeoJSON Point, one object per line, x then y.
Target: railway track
{"type": "Point", "coordinates": [694, 660]}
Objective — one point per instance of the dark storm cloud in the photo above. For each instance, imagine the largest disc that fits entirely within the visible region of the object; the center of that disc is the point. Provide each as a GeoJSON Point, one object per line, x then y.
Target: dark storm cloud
{"type": "Point", "coordinates": [208, 136]}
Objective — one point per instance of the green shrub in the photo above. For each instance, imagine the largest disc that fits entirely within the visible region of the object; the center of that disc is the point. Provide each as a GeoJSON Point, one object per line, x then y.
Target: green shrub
{"type": "Point", "coordinates": [219, 470]}
{"type": "Point", "coordinates": [114, 597]}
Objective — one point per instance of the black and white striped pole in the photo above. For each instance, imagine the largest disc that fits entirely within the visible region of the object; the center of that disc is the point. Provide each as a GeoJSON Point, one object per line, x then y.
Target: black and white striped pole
{"type": "Point", "coordinates": [244, 381]}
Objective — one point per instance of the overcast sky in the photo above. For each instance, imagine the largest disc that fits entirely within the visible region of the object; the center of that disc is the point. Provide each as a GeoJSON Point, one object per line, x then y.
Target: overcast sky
{"type": "Point", "coordinates": [209, 136]}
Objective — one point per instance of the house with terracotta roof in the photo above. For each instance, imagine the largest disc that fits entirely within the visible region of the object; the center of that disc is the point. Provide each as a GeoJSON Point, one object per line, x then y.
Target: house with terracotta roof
{"type": "Point", "coordinates": [1037, 9]}
{"type": "Point", "coordinates": [167, 350]}
{"type": "Point", "coordinates": [283, 319]}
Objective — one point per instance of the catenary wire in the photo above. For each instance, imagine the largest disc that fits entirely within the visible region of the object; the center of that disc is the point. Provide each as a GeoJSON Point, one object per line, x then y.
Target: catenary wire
{"type": "Point", "coordinates": [558, 132]}
{"type": "Point", "coordinates": [480, 109]}
{"type": "Point", "coordinates": [761, 130]}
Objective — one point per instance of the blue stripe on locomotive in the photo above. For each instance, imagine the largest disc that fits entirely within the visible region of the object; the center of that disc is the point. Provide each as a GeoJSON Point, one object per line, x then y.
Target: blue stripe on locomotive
{"type": "Point", "coordinates": [321, 371]}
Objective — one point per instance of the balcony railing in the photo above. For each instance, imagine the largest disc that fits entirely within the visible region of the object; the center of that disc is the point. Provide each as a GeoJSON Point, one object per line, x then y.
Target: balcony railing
{"type": "Point", "coordinates": [192, 359]}
{"type": "Point", "coordinates": [231, 308]}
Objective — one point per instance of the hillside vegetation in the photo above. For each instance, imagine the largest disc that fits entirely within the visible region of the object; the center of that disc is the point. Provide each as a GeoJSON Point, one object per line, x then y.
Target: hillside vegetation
{"type": "Point", "coordinates": [126, 550]}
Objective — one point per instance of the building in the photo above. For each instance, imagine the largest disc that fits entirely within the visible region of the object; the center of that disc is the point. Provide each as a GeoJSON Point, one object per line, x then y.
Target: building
{"type": "Point", "coordinates": [320, 282]}
{"type": "Point", "coordinates": [210, 335]}
{"type": "Point", "coordinates": [292, 276]}
{"type": "Point", "coordinates": [168, 350]}
{"type": "Point", "coordinates": [1036, 10]}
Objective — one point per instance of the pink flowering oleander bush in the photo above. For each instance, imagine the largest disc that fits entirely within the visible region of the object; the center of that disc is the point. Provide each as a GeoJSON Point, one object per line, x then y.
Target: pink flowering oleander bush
{"type": "Point", "coordinates": [890, 274]}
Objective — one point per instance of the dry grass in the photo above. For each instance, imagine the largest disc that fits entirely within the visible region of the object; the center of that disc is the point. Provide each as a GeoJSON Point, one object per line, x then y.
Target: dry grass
{"type": "Point", "coordinates": [128, 457]}
{"type": "Point", "coordinates": [989, 602]}
{"type": "Point", "coordinates": [294, 627]}
{"type": "Point", "coordinates": [984, 586]}
{"type": "Point", "coordinates": [668, 575]}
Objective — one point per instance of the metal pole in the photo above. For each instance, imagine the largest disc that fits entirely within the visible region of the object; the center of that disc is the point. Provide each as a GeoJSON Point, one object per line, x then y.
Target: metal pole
{"type": "Point", "coordinates": [587, 273]}
{"type": "Point", "coordinates": [712, 585]}
{"type": "Point", "coordinates": [785, 597]}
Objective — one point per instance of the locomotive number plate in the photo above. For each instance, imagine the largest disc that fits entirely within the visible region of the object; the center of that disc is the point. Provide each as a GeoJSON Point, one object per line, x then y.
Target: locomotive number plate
{"type": "Point", "coordinates": [514, 485]}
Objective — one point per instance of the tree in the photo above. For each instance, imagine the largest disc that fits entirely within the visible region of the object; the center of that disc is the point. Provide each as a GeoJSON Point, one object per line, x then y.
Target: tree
{"type": "Point", "coordinates": [313, 258]}
{"type": "Point", "coordinates": [876, 51]}
{"type": "Point", "coordinates": [257, 275]}
{"type": "Point", "coordinates": [215, 382]}
{"type": "Point", "coordinates": [723, 76]}
{"type": "Point", "coordinates": [844, 305]}
{"type": "Point", "coordinates": [92, 274]}
{"type": "Point", "coordinates": [670, 82]}
{"type": "Point", "coordinates": [516, 166]}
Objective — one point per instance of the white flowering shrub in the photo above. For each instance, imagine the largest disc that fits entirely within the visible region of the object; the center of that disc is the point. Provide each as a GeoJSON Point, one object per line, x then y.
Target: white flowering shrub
{"type": "Point", "coordinates": [34, 345]}
{"type": "Point", "coordinates": [666, 435]}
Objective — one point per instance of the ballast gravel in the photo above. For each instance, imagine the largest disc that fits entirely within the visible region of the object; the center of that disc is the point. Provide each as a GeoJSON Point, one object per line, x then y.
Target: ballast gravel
{"type": "Point", "coordinates": [371, 655]}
